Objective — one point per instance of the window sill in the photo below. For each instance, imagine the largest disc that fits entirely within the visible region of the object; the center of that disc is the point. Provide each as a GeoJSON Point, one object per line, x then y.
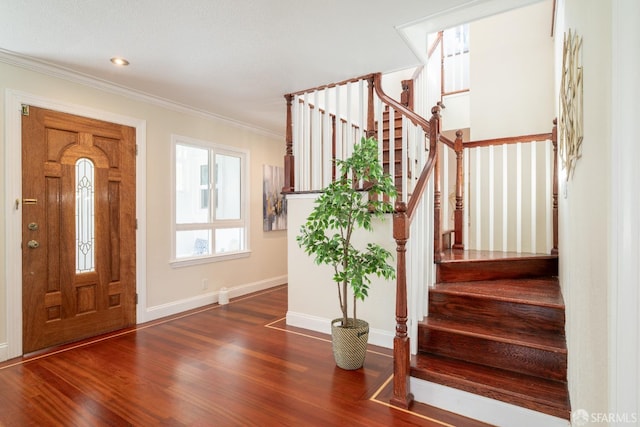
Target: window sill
{"type": "Point", "coordinates": [186, 262]}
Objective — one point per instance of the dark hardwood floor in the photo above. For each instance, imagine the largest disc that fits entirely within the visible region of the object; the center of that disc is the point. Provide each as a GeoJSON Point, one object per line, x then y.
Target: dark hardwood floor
{"type": "Point", "coordinates": [232, 365]}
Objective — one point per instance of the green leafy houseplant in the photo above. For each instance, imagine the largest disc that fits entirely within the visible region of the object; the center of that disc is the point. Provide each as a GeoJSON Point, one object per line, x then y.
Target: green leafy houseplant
{"type": "Point", "coordinates": [349, 203]}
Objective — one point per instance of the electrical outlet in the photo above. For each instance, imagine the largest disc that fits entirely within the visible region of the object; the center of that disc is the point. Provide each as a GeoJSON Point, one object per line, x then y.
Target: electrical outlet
{"type": "Point", "coordinates": [205, 284]}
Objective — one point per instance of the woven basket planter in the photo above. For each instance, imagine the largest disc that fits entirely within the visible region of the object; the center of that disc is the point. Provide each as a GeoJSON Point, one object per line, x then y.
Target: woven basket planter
{"type": "Point", "coordinates": [350, 343]}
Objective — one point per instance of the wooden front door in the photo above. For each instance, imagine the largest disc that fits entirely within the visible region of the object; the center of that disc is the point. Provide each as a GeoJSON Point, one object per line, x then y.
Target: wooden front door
{"type": "Point", "coordinates": [78, 237]}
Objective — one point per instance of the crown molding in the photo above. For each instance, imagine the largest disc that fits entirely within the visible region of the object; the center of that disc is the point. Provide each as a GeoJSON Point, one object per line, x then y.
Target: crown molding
{"type": "Point", "coordinates": [57, 71]}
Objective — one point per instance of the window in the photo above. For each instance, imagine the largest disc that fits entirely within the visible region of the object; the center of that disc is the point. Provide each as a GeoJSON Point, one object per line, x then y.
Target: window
{"type": "Point", "coordinates": [455, 58]}
{"type": "Point", "coordinates": [210, 202]}
{"type": "Point", "coordinates": [85, 225]}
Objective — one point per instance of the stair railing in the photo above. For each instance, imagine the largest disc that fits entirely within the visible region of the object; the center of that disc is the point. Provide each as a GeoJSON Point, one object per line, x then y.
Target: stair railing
{"type": "Point", "coordinates": [323, 124]}
{"type": "Point", "coordinates": [503, 181]}
{"type": "Point", "coordinates": [313, 142]}
{"type": "Point", "coordinates": [403, 227]}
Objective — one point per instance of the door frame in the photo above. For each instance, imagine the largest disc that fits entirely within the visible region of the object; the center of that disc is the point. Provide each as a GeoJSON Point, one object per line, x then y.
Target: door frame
{"type": "Point", "coordinates": [13, 191]}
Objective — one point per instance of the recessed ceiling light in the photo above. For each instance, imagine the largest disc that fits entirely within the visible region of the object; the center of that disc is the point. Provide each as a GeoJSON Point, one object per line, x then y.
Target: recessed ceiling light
{"type": "Point", "coordinates": [119, 61]}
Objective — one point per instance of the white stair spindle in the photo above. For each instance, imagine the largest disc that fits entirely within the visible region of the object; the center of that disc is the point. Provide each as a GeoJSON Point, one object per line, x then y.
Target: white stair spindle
{"type": "Point", "coordinates": [534, 221]}
{"type": "Point", "coordinates": [492, 218]}
{"type": "Point", "coordinates": [477, 197]}
{"type": "Point", "coordinates": [306, 144]}
{"type": "Point", "coordinates": [518, 197]}
{"type": "Point", "coordinates": [316, 144]}
{"type": "Point", "coordinates": [327, 138]}
{"type": "Point", "coordinates": [339, 133]}
{"type": "Point", "coordinates": [349, 124]}
{"type": "Point", "coordinates": [505, 198]}
{"type": "Point", "coordinates": [299, 142]}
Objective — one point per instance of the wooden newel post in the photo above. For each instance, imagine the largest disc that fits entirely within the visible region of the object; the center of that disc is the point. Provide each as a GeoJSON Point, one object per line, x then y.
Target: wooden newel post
{"type": "Point", "coordinates": [406, 97]}
{"type": "Point", "coordinates": [371, 119]}
{"type": "Point", "coordinates": [459, 212]}
{"type": "Point", "coordinates": [370, 131]}
{"type": "Point", "coordinates": [401, 349]}
{"type": "Point", "coordinates": [289, 165]}
{"type": "Point", "coordinates": [554, 141]}
{"type": "Point", "coordinates": [434, 134]}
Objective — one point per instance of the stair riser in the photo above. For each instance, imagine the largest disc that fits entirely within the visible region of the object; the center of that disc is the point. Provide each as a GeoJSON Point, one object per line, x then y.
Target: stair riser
{"type": "Point", "coordinates": [504, 315]}
{"type": "Point", "coordinates": [493, 393]}
{"type": "Point", "coordinates": [397, 117]}
{"type": "Point", "coordinates": [397, 134]}
{"type": "Point", "coordinates": [397, 158]}
{"type": "Point", "coordinates": [509, 356]}
{"type": "Point", "coordinates": [496, 269]}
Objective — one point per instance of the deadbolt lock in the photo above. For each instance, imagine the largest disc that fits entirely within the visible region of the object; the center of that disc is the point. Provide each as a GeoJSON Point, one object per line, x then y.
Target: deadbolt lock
{"type": "Point", "coordinates": [33, 244]}
{"type": "Point", "coordinates": [32, 226]}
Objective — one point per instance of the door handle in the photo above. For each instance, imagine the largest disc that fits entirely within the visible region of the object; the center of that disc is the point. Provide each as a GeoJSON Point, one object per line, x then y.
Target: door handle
{"type": "Point", "coordinates": [33, 244]}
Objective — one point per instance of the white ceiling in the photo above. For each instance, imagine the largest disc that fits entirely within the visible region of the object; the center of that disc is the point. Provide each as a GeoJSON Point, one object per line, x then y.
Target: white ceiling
{"type": "Point", "coordinates": [229, 58]}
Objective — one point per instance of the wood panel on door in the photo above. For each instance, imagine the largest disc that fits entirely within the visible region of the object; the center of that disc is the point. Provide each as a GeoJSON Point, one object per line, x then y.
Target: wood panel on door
{"type": "Point", "coordinates": [78, 237]}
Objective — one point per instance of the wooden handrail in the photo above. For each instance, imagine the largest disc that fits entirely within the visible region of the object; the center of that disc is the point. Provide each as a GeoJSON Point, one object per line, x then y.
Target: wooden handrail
{"type": "Point", "coordinates": [331, 85]}
{"type": "Point", "coordinates": [508, 140]}
{"type": "Point", "coordinates": [415, 118]}
{"type": "Point", "coordinates": [446, 141]}
{"type": "Point", "coordinates": [455, 92]}
{"type": "Point", "coordinates": [434, 45]}
{"type": "Point", "coordinates": [417, 72]}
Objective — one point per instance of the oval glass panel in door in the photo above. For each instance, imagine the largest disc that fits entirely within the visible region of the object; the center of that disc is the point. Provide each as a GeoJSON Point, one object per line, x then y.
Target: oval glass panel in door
{"type": "Point", "coordinates": [85, 221]}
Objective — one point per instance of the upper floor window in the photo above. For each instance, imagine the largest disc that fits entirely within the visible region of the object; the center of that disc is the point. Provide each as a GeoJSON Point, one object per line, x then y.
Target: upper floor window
{"type": "Point", "coordinates": [210, 201]}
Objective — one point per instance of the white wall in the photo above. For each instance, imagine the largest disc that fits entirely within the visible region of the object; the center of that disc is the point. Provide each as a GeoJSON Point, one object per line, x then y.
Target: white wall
{"type": "Point", "coordinates": [512, 73]}
{"type": "Point", "coordinates": [313, 295]}
{"type": "Point", "coordinates": [511, 93]}
{"type": "Point", "coordinates": [624, 292]}
{"type": "Point", "coordinates": [599, 218]}
{"type": "Point", "coordinates": [585, 215]}
{"type": "Point", "coordinates": [168, 289]}
{"type": "Point", "coordinates": [392, 82]}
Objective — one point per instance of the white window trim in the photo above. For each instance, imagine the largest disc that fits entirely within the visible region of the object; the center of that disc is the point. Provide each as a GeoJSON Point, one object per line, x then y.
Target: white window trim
{"type": "Point", "coordinates": [244, 203]}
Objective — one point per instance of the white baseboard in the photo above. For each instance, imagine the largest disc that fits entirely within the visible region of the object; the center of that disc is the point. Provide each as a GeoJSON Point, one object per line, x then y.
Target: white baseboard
{"type": "Point", "coordinates": [480, 408]}
{"type": "Point", "coordinates": [4, 351]}
{"type": "Point", "coordinates": [377, 337]}
{"type": "Point", "coordinates": [175, 307]}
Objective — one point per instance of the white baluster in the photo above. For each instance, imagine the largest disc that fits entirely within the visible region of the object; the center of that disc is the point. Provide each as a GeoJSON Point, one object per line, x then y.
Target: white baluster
{"type": "Point", "coordinates": [327, 138]}
{"type": "Point", "coordinates": [492, 218]}
{"type": "Point", "coordinates": [505, 198]}
{"type": "Point", "coordinates": [534, 221]}
{"type": "Point", "coordinates": [518, 197]}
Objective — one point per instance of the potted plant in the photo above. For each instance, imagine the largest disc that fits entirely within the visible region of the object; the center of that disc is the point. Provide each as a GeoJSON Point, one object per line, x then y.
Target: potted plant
{"type": "Point", "coordinates": [350, 203]}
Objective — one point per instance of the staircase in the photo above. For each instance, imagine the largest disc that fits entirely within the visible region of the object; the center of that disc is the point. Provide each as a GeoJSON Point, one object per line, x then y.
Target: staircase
{"type": "Point", "coordinates": [495, 321]}
{"type": "Point", "coordinates": [496, 328]}
{"type": "Point", "coordinates": [397, 148]}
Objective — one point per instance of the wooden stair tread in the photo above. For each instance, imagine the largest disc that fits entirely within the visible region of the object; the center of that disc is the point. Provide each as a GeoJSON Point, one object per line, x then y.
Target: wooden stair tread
{"type": "Point", "coordinates": [542, 341]}
{"type": "Point", "coordinates": [539, 394]}
{"type": "Point", "coordinates": [543, 291]}
{"type": "Point", "coordinates": [456, 255]}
